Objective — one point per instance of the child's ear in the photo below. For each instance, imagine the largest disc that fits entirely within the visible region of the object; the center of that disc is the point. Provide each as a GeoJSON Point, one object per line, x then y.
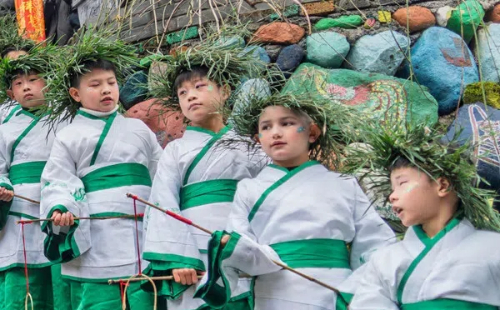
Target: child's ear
{"type": "Point", "coordinates": [256, 138]}
{"type": "Point", "coordinates": [75, 94]}
{"type": "Point", "coordinates": [226, 92]}
{"type": "Point", "coordinates": [314, 133]}
{"type": "Point", "coordinates": [444, 187]}
{"type": "Point", "coordinates": [10, 94]}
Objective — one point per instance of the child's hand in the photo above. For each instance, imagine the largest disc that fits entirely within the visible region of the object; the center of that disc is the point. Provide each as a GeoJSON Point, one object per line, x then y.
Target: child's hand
{"type": "Point", "coordinates": [185, 276]}
{"type": "Point", "coordinates": [62, 219]}
{"type": "Point", "coordinates": [224, 240]}
{"type": "Point", "coordinates": [5, 194]}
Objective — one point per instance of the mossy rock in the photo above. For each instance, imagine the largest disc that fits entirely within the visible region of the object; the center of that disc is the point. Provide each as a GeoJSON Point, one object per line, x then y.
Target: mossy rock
{"type": "Point", "coordinates": [473, 93]}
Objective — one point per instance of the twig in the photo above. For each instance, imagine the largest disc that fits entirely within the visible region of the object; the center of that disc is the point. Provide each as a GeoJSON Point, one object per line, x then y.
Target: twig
{"type": "Point", "coordinates": [26, 198]}
{"type": "Point", "coordinates": [125, 216]}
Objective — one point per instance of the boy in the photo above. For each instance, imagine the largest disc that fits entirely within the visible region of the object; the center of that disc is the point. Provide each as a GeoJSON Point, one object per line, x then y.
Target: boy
{"type": "Point", "coordinates": [94, 162]}
{"type": "Point", "coordinates": [25, 143]}
{"type": "Point", "coordinates": [446, 260]}
{"type": "Point", "coordinates": [296, 212]}
{"type": "Point", "coordinates": [197, 176]}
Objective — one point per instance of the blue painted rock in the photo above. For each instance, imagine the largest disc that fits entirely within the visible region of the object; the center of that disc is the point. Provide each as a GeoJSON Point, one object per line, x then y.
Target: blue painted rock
{"type": "Point", "coordinates": [442, 61]}
{"type": "Point", "coordinates": [258, 52]}
{"type": "Point", "coordinates": [489, 52]}
{"type": "Point", "coordinates": [380, 53]}
{"type": "Point", "coordinates": [382, 97]}
{"type": "Point", "coordinates": [290, 58]}
{"type": "Point", "coordinates": [134, 90]}
{"type": "Point", "coordinates": [480, 126]}
{"type": "Point", "coordinates": [327, 49]}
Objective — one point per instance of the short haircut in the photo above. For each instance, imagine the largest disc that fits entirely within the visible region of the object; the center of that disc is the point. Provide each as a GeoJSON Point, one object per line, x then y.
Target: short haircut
{"type": "Point", "coordinates": [197, 72]}
{"type": "Point", "coordinates": [89, 66]}
{"type": "Point", "coordinates": [401, 162]}
{"type": "Point", "coordinates": [18, 73]}
{"type": "Point", "coordinates": [13, 48]}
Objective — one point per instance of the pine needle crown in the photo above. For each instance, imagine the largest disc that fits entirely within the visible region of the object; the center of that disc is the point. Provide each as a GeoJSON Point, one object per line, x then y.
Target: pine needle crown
{"type": "Point", "coordinates": [332, 119]}
{"type": "Point", "coordinates": [88, 45]}
{"type": "Point", "coordinates": [432, 153]}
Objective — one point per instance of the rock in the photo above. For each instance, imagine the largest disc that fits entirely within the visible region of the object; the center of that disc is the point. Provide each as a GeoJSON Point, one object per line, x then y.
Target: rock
{"type": "Point", "coordinates": [251, 89]}
{"type": "Point", "coordinates": [346, 22]}
{"type": "Point", "coordinates": [230, 42]}
{"type": "Point", "coordinates": [292, 10]}
{"type": "Point", "coordinates": [474, 93]}
{"type": "Point", "coordinates": [318, 8]}
{"type": "Point", "coordinates": [327, 49]}
{"type": "Point", "coordinates": [494, 15]}
{"type": "Point", "coordinates": [166, 124]}
{"type": "Point", "coordinates": [442, 15]}
{"type": "Point", "coordinates": [384, 17]}
{"type": "Point", "coordinates": [439, 62]}
{"type": "Point", "coordinates": [467, 17]}
{"type": "Point", "coordinates": [381, 53]}
{"type": "Point", "coordinates": [488, 51]}
{"type": "Point", "coordinates": [290, 58]}
{"type": "Point", "coordinates": [134, 90]}
{"type": "Point", "coordinates": [181, 35]}
{"type": "Point", "coordinates": [480, 125]}
{"type": "Point", "coordinates": [258, 52]}
{"type": "Point", "coordinates": [379, 96]}
{"type": "Point", "coordinates": [416, 18]}
{"type": "Point", "coordinates": [370, 23]}
{"type": "Point", "coordinates": [353, 4]}
{"type": "Point", "coordinates": [273, 51]}
{"type": "Point", "coordinates": [279, 33]}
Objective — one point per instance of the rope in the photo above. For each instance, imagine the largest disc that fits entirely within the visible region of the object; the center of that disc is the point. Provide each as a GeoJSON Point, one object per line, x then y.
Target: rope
{"type": "Point", "coordinates": [28, 298]}
{"type": "Point", "coordinates": [143, 276]}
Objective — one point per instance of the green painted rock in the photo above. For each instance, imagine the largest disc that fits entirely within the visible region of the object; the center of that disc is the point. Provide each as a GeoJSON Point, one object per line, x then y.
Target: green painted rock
{"type": "Point", "coordinates": [469, 14]}
{"type": "Point", "coordinates": [292, 10]}
{"type": "Point", "coordinates": [473, 93]}
{"type": "Point", "coordinates": [346, 22]}
{"type": "Point", "coordinates": [181, 35]}
{"type": "Point", "coordinates": [379, 96]}
{"type": "Point", "coordinates": [327, 49]}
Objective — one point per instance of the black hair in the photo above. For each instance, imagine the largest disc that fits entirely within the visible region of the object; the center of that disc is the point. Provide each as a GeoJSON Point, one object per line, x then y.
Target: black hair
{"type": "Point", "coordinates": [197, 72]}
{"type": "Point", "coordinates": [399, 163]}
{"type": "Point", "coordinates": [89, 66]}
{"type": "Point", "coordinates": [12, 48]}
{"type": "Point", "coordinates": [15, 74]}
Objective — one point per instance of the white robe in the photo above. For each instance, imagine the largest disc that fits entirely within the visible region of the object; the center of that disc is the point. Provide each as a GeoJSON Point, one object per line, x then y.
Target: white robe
{"type": "Point", "coordinates": [8, 110]}
{"type": "Point", "coordinates": [307, 204]}
{"type": "Point", "coordinates": [126, 152]}
{"type": "Point", "coordinates": [460, 263]}
{"type": "Point", "coordinates": [175, 244]}
{"type": "Point", "coordinates": [25, 143]}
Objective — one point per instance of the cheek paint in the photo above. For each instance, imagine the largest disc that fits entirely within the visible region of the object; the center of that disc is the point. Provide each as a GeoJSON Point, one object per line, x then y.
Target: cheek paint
{"type": "Point", "coordinates": [411, 187]}
{"type": "Point", "coordinates": [210, 88]}
{"type": "Point", "coordinates": [260, 135]}
{"type": "Point", "coordinates": [301, 129]}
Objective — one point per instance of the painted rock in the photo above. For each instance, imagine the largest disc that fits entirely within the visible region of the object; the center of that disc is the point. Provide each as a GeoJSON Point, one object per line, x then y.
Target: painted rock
{"type": "Point", "coordinates": [488, 50]}
{"type": "Point", "coordinates": [327, 49]}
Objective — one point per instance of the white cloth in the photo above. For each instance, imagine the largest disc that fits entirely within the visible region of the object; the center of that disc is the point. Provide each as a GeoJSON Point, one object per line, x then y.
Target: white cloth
{"type": "Point", "coordinates": [463, 265]}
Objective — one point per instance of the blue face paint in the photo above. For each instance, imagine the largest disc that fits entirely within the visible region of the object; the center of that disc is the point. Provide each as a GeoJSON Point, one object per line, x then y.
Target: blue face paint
{"type": "Point", "coordinates": [301, 129]}
{"type": "Point", "coordinates": [260, 135]}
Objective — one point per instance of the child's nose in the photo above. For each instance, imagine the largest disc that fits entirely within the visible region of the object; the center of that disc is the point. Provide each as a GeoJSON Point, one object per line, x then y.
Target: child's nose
{"type": "Point", "coordinates": [393, 197]}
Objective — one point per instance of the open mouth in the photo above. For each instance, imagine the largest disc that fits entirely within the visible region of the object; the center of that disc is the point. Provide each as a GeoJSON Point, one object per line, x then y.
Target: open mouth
{"type": "Point", "coordinates": [397, 210]}
{"type": "Point", "coordinates": [194, 105]}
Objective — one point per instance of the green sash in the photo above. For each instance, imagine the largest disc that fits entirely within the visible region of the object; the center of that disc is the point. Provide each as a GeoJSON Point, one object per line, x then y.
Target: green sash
{"type": "Point", "coordinates": [313, 253]}
{"type": "Point", "coordinates": [27, 172]}
{"type": "Point", "coordinates": [116, 176]}
{"type": "Point", "coordinates": [207, 192]}
{"type": "Point", "coordinates": [443, 304]}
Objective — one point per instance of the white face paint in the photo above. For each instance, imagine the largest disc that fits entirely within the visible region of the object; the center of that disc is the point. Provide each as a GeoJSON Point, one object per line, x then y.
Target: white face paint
{"type": "Point", "coordinates": [411, 186]}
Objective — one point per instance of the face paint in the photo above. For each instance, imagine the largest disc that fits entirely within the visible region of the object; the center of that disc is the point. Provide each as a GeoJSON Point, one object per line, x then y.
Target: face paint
{"type": "Point", "coordinates": [260, 135]}
{"type": "Point", "coordinates": [411, 187]}
{"type": "Point", "coordinates": [210, 88]}
{"type": "Point", "coordinates": [301, 129]}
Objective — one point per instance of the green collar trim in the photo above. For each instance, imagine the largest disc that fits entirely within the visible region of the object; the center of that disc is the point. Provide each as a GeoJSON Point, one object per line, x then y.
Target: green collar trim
{"type": "Point", "coordinates": [12, 113]}
{"type": "Point", "coordinates": [88, 115]}
{"type": "Point", "coordinates": [207, 131]}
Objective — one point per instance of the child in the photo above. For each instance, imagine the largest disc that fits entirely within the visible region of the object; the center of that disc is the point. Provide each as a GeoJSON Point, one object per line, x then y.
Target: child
{"type": "Point", "coordinates": [94, 162]}
{"type": "Point", "coordinates": [295, 212]}
{"type": "Point", "coordinates": [446, 260]}
{"type": "Point", "coordinates": [197, 175]}
{"type": "Point", "coordinates": [25, 143]}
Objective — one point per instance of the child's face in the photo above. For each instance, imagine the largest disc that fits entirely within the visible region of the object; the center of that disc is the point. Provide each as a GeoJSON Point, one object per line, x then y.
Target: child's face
{"type": "Point", "coordinates": [415, 197]}
{"type": "Point", "coordinates": [15, 54]}
{"type": "Point", "coordinates": [201, 99]}
{"type": "Point", "coordinates": [285, 137]}
{"type": "Point", "coordinates": [27, 89]}
{"type": "Point", "coordinates": [98, 91]}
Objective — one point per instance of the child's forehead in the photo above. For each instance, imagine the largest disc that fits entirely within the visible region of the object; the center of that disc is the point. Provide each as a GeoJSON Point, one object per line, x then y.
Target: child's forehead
{"type": "Point", "coordinates": [276, 112]}
{"type": "Point", "coordinates": [98, 73]}
{"type": "Point", "coordinates": [406, 172]}
{"type": "Point", "coordinates": [193, 80]}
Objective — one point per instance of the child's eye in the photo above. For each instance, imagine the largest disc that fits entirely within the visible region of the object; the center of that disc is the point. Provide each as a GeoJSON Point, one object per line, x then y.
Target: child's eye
{"type": "Point", "coordinates": [181, 93]}
{"type": "Point", "coordinates": [288, 124]}
{"type": "Point", "coordinates": [265, 127]}
{"type": "Point", "coordinates": [402, 182]}
{"type": "Point", "coordinates": [198, 86]}
{"type": "Point", "coordinates": [33, 80]}
{"type": "Point", "coordinates": [112, 83]}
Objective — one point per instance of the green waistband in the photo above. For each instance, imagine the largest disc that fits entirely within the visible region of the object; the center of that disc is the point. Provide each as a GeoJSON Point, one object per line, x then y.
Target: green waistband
{"type": "Point", "coordinates": [116, 176]}
{"type": "Point", "coordinates": [443, 304]}
{"type": "Point", "coordinates": [26, 173]}
{"type": "Point", "coordinates": [313, 253]}
{"type": "Point", "coordinates": [207, 192]}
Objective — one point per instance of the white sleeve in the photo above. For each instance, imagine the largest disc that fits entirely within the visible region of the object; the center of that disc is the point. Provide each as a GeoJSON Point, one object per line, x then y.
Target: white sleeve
{"type": "Point", "coordinates": [4, 180]}
{"type": "Point", "coordinates": [372, 232]}
{"type": "Point", "coordinates": [62, 190]}
{"type": "Point", "coordinates": [372, 292]}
